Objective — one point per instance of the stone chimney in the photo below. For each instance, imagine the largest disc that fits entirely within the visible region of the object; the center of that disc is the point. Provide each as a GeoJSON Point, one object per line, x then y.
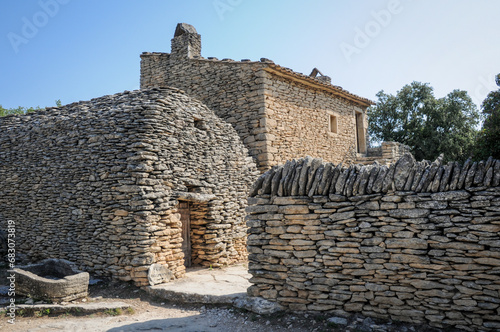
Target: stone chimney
{"type": "Point", "coordinates": [186, 42]}
{"type": "Point", "coordinates": [321, 77]}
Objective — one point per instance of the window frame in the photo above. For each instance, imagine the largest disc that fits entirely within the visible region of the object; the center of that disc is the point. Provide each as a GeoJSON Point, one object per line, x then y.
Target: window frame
{"type": "Point", "coordinates": [333, 126]}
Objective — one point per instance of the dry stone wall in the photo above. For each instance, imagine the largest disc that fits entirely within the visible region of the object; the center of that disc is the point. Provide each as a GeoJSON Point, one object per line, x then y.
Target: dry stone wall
{"type": "Point", "coordinates": [387, 153]}
{"type": "Point", "coordinates": [273, 109]}
{"type": "Point", "coordinates": [232, 89]}
{"type": "Point", "coordinates": [297, 120]}
{"type": "Point", "coordinates": [98, 183]}
{"type": "Point", "coordinates": [416, 242]}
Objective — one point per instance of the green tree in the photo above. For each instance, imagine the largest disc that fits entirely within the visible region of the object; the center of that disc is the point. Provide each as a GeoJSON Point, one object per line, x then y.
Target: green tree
{"type": "Point", "coordinates": [9, 111]}
{"type": "Point", "coordinates": [488, 142]}
{"type": "Point", "coordinates": [428, 125]}
{"type": "Point", "coordinates": [23, 110]}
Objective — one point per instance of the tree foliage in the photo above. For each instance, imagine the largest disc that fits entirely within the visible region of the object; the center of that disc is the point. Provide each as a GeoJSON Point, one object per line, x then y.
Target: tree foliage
{"type": "Point", "coordinates": [428, 125]}
{"type": "Point", "coordinates": [17, 110]}
{"type": "Point", "coordinates": [23, 110]}
{"type": "Point", "coordinates": [488, 142]}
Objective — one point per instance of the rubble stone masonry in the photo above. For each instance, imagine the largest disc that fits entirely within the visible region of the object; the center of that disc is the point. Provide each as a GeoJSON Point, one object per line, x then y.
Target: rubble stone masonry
{"type": "Point", "coordinates": [98, 183]}
{"type": "Point", "coordinates": [279, 114]}
{"type": "Point", "coordinates": [416, 242]}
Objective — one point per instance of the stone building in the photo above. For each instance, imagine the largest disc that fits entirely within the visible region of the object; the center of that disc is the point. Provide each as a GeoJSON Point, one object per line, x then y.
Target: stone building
{"type": "Point", "coordinates": [121, 182]}
{"type": "Point", "coordinates": [278, 113]}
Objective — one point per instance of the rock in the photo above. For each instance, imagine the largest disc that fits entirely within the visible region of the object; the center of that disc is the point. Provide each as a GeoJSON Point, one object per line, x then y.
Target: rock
{"type": "Point", "coordinates": [158, 274]}
{"type": "Point", "coordinates": [349, 186]}
{"type": "Point", "coordinates": [469, 178]}
{"type": "Point", "coordinates": [428, 176]}
{"type": "Point", "coordinates": [402, 170]}
{"type": "Point", "coordinates": [419, 172]}
{"type": "Point", "coordinates": [463, 174]}
{"type": "Point", "coordinates": [293, 209]}
{"type": "Point", "coordinates": [377, 184]}
{"type": "Point", "coordinates": [338, 321]}
{"type": "Point", "coordinates": [341, 181]}
{"type": "Point", "coordinates": [295, 183]}
{"type": "Point", "coordinates": [450, 196]}
{"type": "Point", "coordinates": [314, 190]}
{"type": "Point", "coordinates": [275, 182]}
{"type": "Point", "coordinates": [373, 176]}
{"type": "Point", "coordinates": [435, 184]}
{"type": "Point", "coordinates": [284, 178]}
{"type": "Point", "coordinates": [409, 213]}
{"type": "Point", "coordinates": [257, 305]}
{"type": "Point", "coordinates": [331, 187]}
{"type": "Point", "coordinates": [388, 183]}
{"type": "Point", "coordinates": [488, 178]}
{"type": "Point", "coordinates": [292, 176]}
{"type": "Point", "coordinates": [447, 175]}
{"type": "Point", "coordinates": [324, 184]}
{"type": "Point", "coordinates": [479, 177]}
{"type": "Point", "coordinates": [455, 176]}
{"type": "Point", "coordinates": [184, 28]}
{"type": "Point", "coordinates": [304, 176]}
{"type": "Point", "coordinates": [407, 243]}
{"type": "Point", "coordinates": [266, 184]}
{"type": "Point", "coordinates": [316, 163]}
{"type": "Point", "coordinates": [362, 172]}
{"type": "Point", "coordinates": [364, 178]}
{"type": "Point", "coordinates": [496, 177]}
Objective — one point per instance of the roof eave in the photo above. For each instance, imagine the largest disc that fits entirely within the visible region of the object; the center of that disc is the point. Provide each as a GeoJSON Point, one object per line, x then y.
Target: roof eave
{"type": "Point", "coordinates": [318, 85]}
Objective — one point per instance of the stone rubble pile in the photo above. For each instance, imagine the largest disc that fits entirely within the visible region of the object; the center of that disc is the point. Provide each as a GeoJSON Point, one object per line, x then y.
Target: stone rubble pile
{"type": "Point", "coordinates": [417, 242]}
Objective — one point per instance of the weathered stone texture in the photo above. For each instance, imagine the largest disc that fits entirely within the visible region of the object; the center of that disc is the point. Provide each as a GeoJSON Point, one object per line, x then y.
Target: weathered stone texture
{"type": "Point", "coordinates": [273, 109]}
{"type": "Point", "coordinates": [429, 256]}
{"type": "Point", "coordinates": [98, 183]}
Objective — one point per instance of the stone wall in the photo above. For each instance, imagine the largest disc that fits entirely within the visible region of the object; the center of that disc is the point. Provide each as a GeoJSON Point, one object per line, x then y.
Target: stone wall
{"type": "Point", "coordinates": [297, 121]}
{"type": "Point", "coordinates": [231, 89]}
{"type": "Point", "coordinates": [98, 183]}
{"type": "Point", "coordinates": [416, 242]}
{"type": "Point", "coordinates": [387, 153]}
{"type": "Point", "coordinates": [279, 114]}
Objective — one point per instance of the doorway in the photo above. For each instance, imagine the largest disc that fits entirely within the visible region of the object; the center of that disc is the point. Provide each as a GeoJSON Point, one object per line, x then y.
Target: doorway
{"type": "Point", "coordinates": [360, 133]}
{"type": "Point", "coordinates": [185, 212]}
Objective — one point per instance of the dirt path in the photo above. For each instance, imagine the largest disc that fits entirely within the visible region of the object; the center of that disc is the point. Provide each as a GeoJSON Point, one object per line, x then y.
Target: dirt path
{"type": "Point", "coordinates": [157, 317]}
{"type": "Point", "coordinates": [156, 314]}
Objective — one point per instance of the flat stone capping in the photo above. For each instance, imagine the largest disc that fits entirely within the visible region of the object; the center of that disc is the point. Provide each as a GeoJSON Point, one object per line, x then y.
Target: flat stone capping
{"type": "Point", "coordinates": [314, 177]}
{"type": "Point", "coordinates": [54, 279]}
{"type": "Point", "coordinates": [194, 197]}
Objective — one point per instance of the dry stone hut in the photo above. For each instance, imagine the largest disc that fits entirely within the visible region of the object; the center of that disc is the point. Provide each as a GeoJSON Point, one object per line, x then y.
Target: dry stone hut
{"type": "Point", "coordinates": [120, 182]}
{"type": "Point", "coordinates": [278, 113]}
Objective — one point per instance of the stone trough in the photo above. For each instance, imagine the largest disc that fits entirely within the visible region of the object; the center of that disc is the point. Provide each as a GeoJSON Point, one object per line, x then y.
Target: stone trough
{"type": "Point", "coordinates": [51, 279]}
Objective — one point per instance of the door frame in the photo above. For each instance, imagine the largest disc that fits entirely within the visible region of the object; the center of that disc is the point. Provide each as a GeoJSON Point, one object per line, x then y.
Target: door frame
{"type": "Point", "coordinates": [184, 209]}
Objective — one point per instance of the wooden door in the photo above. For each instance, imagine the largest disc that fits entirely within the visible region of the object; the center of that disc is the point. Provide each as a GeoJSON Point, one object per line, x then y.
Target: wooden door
{"type": "Point", "coordinates": [360, 133]}
{"type": "Point", "coordinates": [186, 232]}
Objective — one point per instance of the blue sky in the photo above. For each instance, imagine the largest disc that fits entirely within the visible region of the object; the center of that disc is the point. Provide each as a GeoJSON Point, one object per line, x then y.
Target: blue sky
{"type": "Point", "coordinates": [81, 49]}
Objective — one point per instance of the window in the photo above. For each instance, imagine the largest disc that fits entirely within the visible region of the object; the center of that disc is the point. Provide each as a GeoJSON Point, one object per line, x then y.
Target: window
{"type": "Point", "coordinates": [200, 124]}
{"type": "Point", "coordinates": [332, 124]}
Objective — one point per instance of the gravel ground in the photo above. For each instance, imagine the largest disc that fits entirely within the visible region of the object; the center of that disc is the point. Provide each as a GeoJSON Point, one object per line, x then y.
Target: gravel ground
{"type": "Point", "coordinates": [157, 317]}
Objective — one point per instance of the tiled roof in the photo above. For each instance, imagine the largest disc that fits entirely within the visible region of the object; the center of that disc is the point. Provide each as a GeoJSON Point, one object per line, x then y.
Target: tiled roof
{"type": "Point", "coordinates": [308, 80]}
{"type": "Point", "coordinates": [288, 73]}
